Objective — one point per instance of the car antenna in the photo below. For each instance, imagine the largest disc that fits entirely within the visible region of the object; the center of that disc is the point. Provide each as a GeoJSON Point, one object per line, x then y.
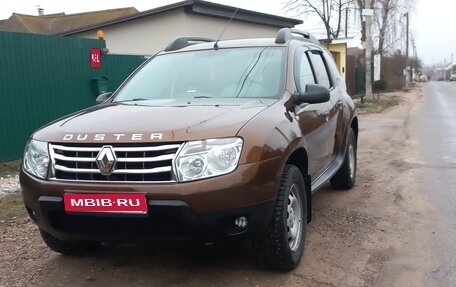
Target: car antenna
{"type": "Point", "coordinates": [226, 26]}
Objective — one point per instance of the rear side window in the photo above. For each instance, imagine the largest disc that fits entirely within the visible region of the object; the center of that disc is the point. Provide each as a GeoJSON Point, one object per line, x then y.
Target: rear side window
{"type": "Point", "coordinates": [331, 64]}
{"type": "Point", "coordinates": [335, 74]}
{"type": "Point", "coordinates": [320, 70]}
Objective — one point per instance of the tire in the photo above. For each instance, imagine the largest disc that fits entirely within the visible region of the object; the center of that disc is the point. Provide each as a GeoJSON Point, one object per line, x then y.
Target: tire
{"type": "Point", "coordinates": [68, 247]}
{"type": "Point", "coordinates": [345, 177]}
{"type": "Point", "coordinates": [282, 245]}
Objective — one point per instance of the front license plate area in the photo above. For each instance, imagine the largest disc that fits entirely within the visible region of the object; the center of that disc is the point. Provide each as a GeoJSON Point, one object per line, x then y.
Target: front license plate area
{"type": "Point", "coordinates": [130, 203]}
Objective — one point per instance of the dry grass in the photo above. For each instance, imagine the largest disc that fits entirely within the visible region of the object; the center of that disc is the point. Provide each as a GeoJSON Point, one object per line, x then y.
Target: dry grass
{"type": "Point", "coordinates": [377, 105]}
{"type": "Point", "coordinates": [10, 207]}
{"type": "Point", "coordinates": [10, 167]}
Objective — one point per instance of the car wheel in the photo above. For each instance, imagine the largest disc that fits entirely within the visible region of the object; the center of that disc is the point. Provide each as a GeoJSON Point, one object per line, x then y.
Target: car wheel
{"type": "Point", "coordinates": [282, 245]}
{"type": "Point", "coordinates": [68, 247]}
{"type": "Point", "coordinates": [346, 176]}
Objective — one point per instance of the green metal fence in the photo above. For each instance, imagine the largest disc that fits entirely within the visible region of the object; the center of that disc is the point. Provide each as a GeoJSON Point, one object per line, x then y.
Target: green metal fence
{"type": "Point", "coordinates": [45, 77]}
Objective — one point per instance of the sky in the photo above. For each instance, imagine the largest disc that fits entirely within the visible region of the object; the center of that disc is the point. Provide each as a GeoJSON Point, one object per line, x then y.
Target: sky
{"type": "Point", "coordinates": [432, 21]}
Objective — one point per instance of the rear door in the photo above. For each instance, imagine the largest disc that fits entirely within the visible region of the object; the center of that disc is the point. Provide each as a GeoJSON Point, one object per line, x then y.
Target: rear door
{"type": "Point", "coordinates": [338, 95]}
{"type": "Point", "coordinates": [313, 118]}
{"type": "Point", "coordinates": [326, 78]}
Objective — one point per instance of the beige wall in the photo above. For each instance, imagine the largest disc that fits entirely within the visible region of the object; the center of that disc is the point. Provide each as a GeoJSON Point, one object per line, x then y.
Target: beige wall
{"type": "Point", "coordinates": [151, 34]}
{"type": "Point", "coordinates": [339, 52]}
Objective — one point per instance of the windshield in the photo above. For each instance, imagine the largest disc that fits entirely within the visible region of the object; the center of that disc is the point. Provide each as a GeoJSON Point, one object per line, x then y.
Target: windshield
{"type": "Point", "coordinates": [224, 73]}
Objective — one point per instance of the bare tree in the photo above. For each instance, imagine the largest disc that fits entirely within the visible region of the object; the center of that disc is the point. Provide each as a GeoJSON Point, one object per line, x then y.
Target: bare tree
{"type": "Point", "coordinates": [386, 6]}
{"type": "Point", "coordinates": [387, 16]}
{"type": "Point", "coordinates": [329, 11]}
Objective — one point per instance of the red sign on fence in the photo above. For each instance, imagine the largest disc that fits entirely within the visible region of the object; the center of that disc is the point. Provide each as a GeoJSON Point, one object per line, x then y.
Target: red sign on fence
{"type": "Point", "coordinates": [95, 58]}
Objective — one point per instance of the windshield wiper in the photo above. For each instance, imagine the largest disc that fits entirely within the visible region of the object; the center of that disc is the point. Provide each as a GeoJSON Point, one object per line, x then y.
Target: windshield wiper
{"type": "Point", "coordinates": [132, 100]}
{"type": "Point", "coordinates": [202, 97]}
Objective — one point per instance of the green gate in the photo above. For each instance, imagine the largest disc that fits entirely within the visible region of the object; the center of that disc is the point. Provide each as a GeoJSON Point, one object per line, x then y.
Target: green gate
{"type": "Point", "coordinates": [45, 77]}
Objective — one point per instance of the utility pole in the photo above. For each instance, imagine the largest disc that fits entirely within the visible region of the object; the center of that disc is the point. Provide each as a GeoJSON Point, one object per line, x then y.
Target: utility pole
{"type": "Point", "coordinates": [409, 70]}
{"type": "Point", "coordinates": [415, 56]}
{"type": "Point", "coordinates": [368, 13]}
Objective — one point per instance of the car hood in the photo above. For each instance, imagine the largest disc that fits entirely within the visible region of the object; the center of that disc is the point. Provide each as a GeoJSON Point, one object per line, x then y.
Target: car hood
{"type": "Point", "coordinates": [146, 121]}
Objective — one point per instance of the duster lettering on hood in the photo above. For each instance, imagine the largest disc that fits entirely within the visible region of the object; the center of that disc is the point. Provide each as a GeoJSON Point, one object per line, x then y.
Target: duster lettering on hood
{"type": "Point", "coordinates": [112, 137]}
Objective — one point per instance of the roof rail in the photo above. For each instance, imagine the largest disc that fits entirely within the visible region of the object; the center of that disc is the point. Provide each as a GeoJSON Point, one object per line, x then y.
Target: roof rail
{"type": "Point", "coordinates": [182, 42]}
{"type": "Point", "coordinates": [286, 34]}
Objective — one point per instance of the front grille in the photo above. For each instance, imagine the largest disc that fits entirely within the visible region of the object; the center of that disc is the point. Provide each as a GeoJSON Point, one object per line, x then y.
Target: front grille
{"type": "Point", "coordinates": [134, 163]}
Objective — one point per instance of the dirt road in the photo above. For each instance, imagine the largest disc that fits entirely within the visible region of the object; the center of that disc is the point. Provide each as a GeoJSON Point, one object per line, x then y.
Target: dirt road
{"type": "Point", "coordinates": [376, 234]}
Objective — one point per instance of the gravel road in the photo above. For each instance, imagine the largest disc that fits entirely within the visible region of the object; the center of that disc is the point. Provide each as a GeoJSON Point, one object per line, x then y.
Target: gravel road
{"type": "Point", "coordinates": [9, 184]}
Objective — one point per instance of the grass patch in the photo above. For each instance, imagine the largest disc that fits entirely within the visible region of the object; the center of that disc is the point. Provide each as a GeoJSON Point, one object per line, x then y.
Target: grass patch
{"type": "Point", "coordinates": [377, 105]}
{"type": "Point", "coordinates": [11, 206]}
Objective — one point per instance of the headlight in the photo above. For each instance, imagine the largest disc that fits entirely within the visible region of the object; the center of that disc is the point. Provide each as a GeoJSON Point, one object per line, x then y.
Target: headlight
{"type": "Point", "coordinates": [36, 158]}
{"type": "Point", "coordinates": [208, 158]}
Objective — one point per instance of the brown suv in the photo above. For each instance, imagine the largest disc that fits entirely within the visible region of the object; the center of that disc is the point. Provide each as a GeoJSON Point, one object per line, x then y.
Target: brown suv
{"type": "Point", "coordinates": [209, 140]}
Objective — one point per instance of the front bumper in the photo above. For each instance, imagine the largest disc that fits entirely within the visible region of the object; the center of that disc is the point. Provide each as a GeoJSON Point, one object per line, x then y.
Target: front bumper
{"type": "Point", "coordinates": [165, 220]}
{"type": "Point", "coordinates": [204, 210]}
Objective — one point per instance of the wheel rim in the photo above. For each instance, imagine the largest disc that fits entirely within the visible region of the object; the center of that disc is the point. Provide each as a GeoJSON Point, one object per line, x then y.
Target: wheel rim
{"type": "Point", "coordinates": [351, 161]}
{"type": "Point", "coordinates": [294, 218]}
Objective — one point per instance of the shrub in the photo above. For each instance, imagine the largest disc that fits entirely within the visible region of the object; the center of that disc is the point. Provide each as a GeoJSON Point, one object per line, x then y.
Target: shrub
{"type": "Point", "coordinates": [380, 85]}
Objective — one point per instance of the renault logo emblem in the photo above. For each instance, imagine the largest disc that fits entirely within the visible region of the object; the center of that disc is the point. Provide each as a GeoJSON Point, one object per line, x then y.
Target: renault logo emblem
{"type": "Point", "coordinates": [106, 160]}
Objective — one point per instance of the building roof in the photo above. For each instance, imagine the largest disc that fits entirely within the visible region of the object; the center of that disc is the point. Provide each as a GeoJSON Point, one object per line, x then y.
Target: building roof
{"type": "Point", "coordinates": [198, 7]}
{"type": "Point", "coordinates": [60, 22]}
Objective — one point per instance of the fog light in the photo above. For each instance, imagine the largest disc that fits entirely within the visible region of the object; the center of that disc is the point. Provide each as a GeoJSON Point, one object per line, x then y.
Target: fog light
{"type": "Point", "coordinates": [241, 222]}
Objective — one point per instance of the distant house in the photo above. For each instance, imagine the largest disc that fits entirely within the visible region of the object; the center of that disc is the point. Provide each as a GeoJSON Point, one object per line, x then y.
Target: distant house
{"type": "Point", "coordinates": [338, 49]}
{"type": "Point", "coordinates": [53, 24]}
{"type": "Point", "coordinates": [127, 31]}
{"type": "Point", "coordinates": [148, 32]}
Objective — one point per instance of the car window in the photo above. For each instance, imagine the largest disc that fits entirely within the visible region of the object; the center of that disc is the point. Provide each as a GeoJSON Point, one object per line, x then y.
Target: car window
{"type": "Point", "coordinates": [334, 72]}
{"type": "Point", "coordinates": [224, 73]}
{"type": "Point", "coordinates": [319, 67]}
{"type": "Point", "coordinates": [303, 72]}
{"type": "Point", "coordinates": [331, 64]}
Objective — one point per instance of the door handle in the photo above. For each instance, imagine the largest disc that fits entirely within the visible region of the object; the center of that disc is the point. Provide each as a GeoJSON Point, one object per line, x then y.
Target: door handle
{"type": "Point", "coordinates": [326, 115]}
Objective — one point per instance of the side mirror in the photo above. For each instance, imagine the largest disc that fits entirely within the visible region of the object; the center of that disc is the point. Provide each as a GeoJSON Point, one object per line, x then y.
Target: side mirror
{"type": "Point", "coordinates": [103, 97]}
{"type": "Point", "coordinates": [314, 94]}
